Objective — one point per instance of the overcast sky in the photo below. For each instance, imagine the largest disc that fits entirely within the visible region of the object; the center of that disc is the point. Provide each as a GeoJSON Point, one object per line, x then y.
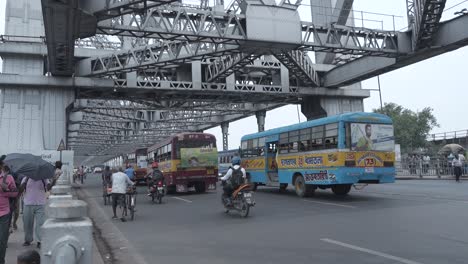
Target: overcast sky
{"type": "Point", "coordinates": [438, 82]}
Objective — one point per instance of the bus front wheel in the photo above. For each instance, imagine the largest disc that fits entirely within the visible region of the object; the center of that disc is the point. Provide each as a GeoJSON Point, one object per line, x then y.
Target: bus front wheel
{"type": "Point", "coordinates": [341, 189]}
{"type": "Point", "coordinates": [303, 189]}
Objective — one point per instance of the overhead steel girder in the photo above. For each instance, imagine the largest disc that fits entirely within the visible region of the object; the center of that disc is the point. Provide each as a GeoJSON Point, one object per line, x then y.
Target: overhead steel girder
{"type": "Point", "coordinates": [61, 20]}
{"type": "Point", "coordinates": [105, 9]}
{"type": "Point", "coordinates": [63, 24]}
{"type": "Point", "coordinates": [205, 26]}
{"type": "Point", "coordinates": [300, 66]}
{"type": "Point", "coordinates": [427, 14]}
{"type": "Point", "coordinates": [96, 136]}
{"type": "Point", "coordinates": [339, 16]}
{"type": "Point", "coordinates": [166, 53]}
{"type": "Point", "coordinates": [119, 89]}
{"type": "Point", "coordinates": [137, 116]}
{"type": "Point", "coordinates": [124, 126]}
{"type": "Point", "coordinates": [153, 105]}
{"type": "Point", "coordinates": [157, 55]}
{"type": "Point", "coordinates": [224, 66]}
{"type": "Point", "coordinates": [82, 49]}
{"type": "Point", "coordinates": [176, 23]}
{"type": "Point", "coordinates": [350, 40]}
{"type": "Point", "coordinates": [451, 35]}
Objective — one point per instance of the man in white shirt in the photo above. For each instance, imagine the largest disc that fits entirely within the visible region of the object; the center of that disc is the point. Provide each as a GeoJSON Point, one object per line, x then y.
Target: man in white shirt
{"type": "Point", "coordinates": [120, 182]}
{"type": "Point", "coordinates": [236, 176]}
{"type": "Point", "coordinates": [458, 163]}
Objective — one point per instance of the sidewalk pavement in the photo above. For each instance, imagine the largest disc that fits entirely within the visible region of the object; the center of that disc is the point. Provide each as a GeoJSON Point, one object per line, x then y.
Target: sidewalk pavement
{"type": "Point", "coordinates": [15, 246]}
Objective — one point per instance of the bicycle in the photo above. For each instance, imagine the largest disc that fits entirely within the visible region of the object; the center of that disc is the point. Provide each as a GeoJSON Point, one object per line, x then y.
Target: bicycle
{"type": "Point", "coordinates": [130, 201]}
{"type": "Point", "coordinates": [106, 194]}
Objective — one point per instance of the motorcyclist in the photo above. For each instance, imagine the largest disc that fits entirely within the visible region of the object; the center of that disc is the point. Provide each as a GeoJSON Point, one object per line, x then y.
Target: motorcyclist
{"type": "Point", "coordinates": [155, 176]}
{"type": "Point", "coordinates": [234, 177]}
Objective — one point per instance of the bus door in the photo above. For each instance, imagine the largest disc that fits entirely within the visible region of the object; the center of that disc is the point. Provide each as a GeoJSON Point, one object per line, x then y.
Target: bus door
{"type": "Point", "coordinates": [271, 165]}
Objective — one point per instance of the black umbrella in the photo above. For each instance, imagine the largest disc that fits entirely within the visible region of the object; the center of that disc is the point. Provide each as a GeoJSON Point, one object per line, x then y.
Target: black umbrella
{"type": "Point", "coordinates": [33, 167]}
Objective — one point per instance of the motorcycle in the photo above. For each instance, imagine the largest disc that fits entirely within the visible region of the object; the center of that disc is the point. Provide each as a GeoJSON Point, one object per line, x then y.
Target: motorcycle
{"type": "Point", "coordinates": [157, 191]}
{"type": "Point", "coordinates": [241, 200]}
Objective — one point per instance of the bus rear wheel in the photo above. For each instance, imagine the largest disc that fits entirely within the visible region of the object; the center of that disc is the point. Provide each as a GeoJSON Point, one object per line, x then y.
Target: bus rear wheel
{"type": "Point", "coordinates": [303, 189]}
{"type": "Point", "coordinates": [341, 189]}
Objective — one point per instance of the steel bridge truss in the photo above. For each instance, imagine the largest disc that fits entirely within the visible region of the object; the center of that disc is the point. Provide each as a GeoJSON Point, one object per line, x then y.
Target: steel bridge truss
{"type": "Point", "coordinates": [144, 93]}
{"type": "Point", "coordinates": [119, 122]}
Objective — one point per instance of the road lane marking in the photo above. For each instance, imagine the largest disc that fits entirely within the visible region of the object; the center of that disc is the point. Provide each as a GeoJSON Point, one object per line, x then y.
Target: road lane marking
{"type": "Point", "coordinates": [182, 199]}
{"type": "Point", "coordinates": [335, 204]}
{"type": "Point", "coordinates": [370, 251]}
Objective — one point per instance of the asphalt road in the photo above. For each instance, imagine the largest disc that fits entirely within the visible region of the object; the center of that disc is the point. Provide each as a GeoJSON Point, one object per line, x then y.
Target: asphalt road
{"type": "Point", "coordinates": [412, 222]}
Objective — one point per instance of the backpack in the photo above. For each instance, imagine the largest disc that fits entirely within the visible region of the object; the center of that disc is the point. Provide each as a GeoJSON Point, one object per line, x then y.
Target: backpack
{"type": "Point", "coordinates": [237, 177]}
{"type": "Point", "coordinates": [157, 174]}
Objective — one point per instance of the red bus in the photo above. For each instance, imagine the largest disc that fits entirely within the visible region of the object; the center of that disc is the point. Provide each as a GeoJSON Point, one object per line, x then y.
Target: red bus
{"type": "Point", "coordinates": [187, 160]}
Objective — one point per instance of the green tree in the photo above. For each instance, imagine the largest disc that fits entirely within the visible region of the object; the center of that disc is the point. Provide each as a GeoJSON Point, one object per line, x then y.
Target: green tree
{"type": "Point", "coordinates": [411, 128]}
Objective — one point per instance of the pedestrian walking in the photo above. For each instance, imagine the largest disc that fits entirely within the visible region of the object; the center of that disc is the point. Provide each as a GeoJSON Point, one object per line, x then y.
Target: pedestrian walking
{"type": "Point", "coordinates": [457, 164]}
{"type": "Point", "coordinates": [426, 162]}
{"type": "Point", "coordinates": [35, 196]}
{"type": "Point", "coordinates": [29, 257]}
{"type": "Point", "coordinates": [15, 204]}
{"type": "Point", "coordinates": [8, 190]}
{"type": "Point", "coordinates": [58, 171]}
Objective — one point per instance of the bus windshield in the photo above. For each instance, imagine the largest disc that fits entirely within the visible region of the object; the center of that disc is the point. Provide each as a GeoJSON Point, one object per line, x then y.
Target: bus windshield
{"type": "Point", "coordinates": [197, 144]}
{"type": "Point", "coordinates": [371, 137]}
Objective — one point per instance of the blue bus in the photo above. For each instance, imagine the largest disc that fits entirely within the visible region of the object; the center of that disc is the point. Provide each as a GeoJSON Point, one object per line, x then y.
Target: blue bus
{"type": "Point", "coordinates": [332, 152]}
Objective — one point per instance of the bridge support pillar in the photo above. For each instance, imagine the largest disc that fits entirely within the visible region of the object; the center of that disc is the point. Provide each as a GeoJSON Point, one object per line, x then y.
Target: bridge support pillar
{"type": "Point", "coordinates": [36, 115]}
{"type": "Point", "coordinates": [225, 132]}
{"type": "Point", "coordinates": [314, 107]}
{"type": "Point", "coordinates": [261, 120]}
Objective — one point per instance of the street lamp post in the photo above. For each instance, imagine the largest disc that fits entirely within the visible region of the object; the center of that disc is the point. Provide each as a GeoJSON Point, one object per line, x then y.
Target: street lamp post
{"type": "Point", "coordinates": [380, 92]}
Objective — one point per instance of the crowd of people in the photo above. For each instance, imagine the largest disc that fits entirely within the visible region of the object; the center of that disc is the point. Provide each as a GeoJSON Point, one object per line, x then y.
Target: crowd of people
{"type": "Point", "coordinates": [22, 195]}
{"type": "Point", "coordinates": [451, 164]}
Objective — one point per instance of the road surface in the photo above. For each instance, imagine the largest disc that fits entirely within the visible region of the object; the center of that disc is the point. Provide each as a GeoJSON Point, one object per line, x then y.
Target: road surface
{"type": "Point", "coordinates": [411, 222]}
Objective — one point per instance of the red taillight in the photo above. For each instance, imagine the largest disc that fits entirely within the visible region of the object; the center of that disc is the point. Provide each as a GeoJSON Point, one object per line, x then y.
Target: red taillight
{"type": "Point", "coordinates": [160, 184]}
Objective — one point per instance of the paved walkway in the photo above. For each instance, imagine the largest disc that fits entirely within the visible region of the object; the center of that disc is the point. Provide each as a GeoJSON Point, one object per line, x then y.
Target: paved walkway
{"type": "Point", "coordinates": [15, 246]}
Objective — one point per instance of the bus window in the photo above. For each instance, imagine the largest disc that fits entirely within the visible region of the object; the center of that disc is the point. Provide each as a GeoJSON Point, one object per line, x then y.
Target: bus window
{"type": "Point", "coordinates": [293, 147]}
{"type": "Point", "coordinates": [348, 136]}
{"type": "Point", "coordinates": [261, 142]}
{"type": "Point", "coordinates": [304, 137]}
{"type": "Point", "coordinates": [244, 145]}
{"type": "Point", "coordinates": [317, 137]}
{"type": "Point", "coordinates": [283, 143]}
{"type": "Point", "coordinates": [293, 139]}
{"type": "Point", "coordinates": [169, 151]}
{"type": "Point", "coordinates": [255, 143]}
{"type": "Point", "coordinates": [331, 135]}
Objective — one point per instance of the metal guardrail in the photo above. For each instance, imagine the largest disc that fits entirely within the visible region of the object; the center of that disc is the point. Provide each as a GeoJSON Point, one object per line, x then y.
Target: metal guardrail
{"type": "Point", "coordinates": [448, 135]}
{"type": "Point", "coordinates": [17, 38]}
{"type": "Point", "coordinates": [439, 168]}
